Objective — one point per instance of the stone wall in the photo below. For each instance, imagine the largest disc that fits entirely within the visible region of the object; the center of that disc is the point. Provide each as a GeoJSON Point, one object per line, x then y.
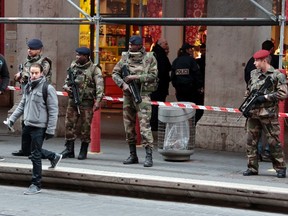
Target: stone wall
{"type": "Point", "coordinates": [228, 50]}
{"type": "Point", "coordinates": [59, 42]}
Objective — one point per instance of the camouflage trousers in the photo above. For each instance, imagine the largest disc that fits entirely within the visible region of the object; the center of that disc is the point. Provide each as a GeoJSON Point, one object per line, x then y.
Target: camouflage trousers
{"type": "Point", "coordinates": [78, 124]}
{"type": "Point", "coordinates": [271, 129]}
{"type": "Point", "coordinates": [131, 111]}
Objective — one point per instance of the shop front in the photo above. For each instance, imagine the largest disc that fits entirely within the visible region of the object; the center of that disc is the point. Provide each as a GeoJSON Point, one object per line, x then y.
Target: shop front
{"type": "Point", "coordinates": [113, 39]}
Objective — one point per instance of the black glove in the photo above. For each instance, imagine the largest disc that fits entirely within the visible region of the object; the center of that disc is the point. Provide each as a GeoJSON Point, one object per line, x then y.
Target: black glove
{"type": "Point", "coordinates": [10, 124]}
{"type": "Point", "coordinates": [48, 136]}
{"type": "Point", "coordinates": [260, 99]}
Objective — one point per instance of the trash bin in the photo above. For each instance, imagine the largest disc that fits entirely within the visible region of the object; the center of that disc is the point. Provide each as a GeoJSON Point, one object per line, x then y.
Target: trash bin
{"type": "Point", "coordinates": [176, 132]}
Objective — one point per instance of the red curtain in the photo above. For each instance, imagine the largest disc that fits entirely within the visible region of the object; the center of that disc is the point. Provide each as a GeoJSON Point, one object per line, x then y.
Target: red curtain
{"type": "Point", "coordinates": [195, 8]}
{"type": "Point", "coordinates": [152, 33]}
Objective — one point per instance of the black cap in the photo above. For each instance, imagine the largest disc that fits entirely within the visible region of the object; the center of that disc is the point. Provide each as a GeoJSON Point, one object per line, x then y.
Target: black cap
{"type": "Point", "coordinates": [136, 40]}
{"type": "Point", "coordinates": [83, 51]}
{"type": "Point", "coordinates": [35, 44]}
{"type": "Point", "coordinates": [186, 46]}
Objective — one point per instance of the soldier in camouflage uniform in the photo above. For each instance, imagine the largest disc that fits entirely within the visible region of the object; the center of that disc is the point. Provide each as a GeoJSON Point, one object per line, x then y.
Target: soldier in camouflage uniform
{"type": "Point", "coordinates": [143, 71]}
{"type": "Point", "coordinates": [34, 52]}
{"type": "Point", "coordinates": [89, 81]}
{"type": "Point", "coordinates": [265, 114]}
{"type": "Point", "coordinates": [34, 56]}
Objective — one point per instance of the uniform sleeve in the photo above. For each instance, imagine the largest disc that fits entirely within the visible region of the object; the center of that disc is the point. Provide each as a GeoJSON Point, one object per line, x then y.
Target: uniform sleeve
{"type": "Point", "coordinates": [25, 72]}
{"type": "Point", "coordinates": [281, 89]}
{"type": "Point", "coordinates": [98, 79]}
{"type": "Point", "coordinates": [46, 70]}
{"type": "Point", "coordinates": [117, 74]}
{"type": "Point", "coordinates": [152, 72]}
{"type": "Point", "coordinates": [67, 75]}
{"type": "Point", "coordinates": [196, 73]}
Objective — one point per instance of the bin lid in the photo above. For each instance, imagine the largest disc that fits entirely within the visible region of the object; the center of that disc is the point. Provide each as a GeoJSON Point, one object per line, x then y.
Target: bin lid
{"type": "Point", "coordinates": [175, 113]}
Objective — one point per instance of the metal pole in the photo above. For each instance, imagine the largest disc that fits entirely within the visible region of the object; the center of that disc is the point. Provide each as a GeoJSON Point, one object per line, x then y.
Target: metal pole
{"type": "Point", "coordinates": [282, 19]}
{"type": "Point", "coordinates": [96, 60]}
{"type": "Point", "coordinates": [177, 21]}
{"type": "Point", "coordinates": [196, 21]}
{"type": "Point", "coordinates": [44, 20]}
{"type": "Point", "coordinates": [80, 10]}
{"type": "Point", "coordinates": [271, 15]}
{"type": "Point", "coordinates": [92, 30]}
{"type": "Point", "coordinates": [140, 15]}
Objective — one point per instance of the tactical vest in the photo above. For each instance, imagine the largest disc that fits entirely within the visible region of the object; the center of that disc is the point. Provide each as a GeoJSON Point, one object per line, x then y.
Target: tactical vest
{"type": "Point", "coordinates": [85, 81]}
{"type": "Point", "coordinates": [148, 87]}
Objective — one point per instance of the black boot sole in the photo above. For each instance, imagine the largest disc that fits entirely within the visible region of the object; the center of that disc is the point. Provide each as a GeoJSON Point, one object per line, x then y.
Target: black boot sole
{"type": "Point", "coordinates": [68, 156]}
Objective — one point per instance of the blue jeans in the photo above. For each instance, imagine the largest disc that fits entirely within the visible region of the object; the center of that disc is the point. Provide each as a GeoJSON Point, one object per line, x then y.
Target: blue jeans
{"type": "Point", "coordinates": [35, 136]}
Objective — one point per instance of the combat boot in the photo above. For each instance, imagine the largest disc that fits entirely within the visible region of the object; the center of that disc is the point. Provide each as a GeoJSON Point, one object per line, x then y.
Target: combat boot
{"type": "Point", "coordinates": [281, 173]}
{"type": "Point", "coordinates": [148, 160]}
{"type": "Point", "coordinates": [69, 151]}
{"type": "Point", "coordinates": [83, 151]}
{"type": "Point", "coordinates": [132, 159]}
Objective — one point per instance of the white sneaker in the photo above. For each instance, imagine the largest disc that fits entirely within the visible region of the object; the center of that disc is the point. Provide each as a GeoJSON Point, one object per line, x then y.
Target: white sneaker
{"type": "Point", "coordinates": [33, 189]}
{"type": "Point", "coordinates": [2, 159]}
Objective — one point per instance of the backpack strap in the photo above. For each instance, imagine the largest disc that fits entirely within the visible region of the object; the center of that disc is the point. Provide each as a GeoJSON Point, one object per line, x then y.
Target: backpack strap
{"type": "Point", "coordinates": [45, 91]}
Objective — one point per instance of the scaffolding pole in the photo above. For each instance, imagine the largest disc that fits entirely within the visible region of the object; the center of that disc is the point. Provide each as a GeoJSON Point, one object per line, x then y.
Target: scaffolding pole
{"type": "Point", "coordinates": [177, 21]}
{"type": "Point", "coordinates": [98, 18]}
{"type": "Point", "coordinates": [282, 20]}
{"type": "Point", "coordinates": [88, 17]}
{"type": "Point", "coordinates": [271, 15]}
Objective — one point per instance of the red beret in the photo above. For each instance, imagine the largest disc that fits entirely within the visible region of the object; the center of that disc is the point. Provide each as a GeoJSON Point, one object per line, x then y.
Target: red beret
{"type": "Point", "coordinates": [261, 54]}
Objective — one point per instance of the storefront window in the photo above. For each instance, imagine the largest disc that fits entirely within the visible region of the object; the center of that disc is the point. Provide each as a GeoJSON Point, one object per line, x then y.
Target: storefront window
{"type": "Point", "coordinates": [113, 39]}
{"type": "Point", "coordinates": [2, 26]}
{"type": "Point", "coordinates": [196, 35]}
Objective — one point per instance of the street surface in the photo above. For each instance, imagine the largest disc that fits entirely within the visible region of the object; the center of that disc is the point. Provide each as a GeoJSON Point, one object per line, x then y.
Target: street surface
{"type": "Point", "coordinates": [57, 203]}
{"type": "Point", "coordinates": [216, 172]}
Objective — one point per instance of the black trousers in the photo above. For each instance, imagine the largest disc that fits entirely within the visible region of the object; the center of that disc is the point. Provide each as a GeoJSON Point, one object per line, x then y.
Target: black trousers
{"type": "Point", "coordinates": [35, 136]}
{"type": "Point", "coordinates": [25, 143]}
{"type": "Point", "coordinates": [156, 96]}
{"type": "Point", "coordinates": [191, 95]}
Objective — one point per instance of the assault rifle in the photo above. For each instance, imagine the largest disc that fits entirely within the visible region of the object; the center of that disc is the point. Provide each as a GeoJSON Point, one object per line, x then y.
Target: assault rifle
{"type": "Point", "coordinates": [20, 69]}
{"type": "Point", "coordinates": [132, 85]}
{"type": "Point", "coordinates": [74, 88]}
{"type": "Point", "coordinates": [249, 102]}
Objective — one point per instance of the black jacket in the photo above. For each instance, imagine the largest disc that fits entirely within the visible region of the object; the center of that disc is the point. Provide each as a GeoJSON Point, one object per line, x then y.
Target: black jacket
{"type": "Point", "coordinates": [4, 74]}
{"type": "Point", "coordinates": [164, 67]}
{"type": "Point", "coordinates": [186, 73]}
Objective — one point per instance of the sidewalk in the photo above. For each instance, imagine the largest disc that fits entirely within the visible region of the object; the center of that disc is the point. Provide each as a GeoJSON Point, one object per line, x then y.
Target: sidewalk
{"type": "Point", "coordinates": [212, 175]}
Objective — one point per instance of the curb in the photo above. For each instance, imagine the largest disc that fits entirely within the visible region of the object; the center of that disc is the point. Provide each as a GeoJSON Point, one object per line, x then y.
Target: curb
{"type": "Point", "coordinates": [178, 188]}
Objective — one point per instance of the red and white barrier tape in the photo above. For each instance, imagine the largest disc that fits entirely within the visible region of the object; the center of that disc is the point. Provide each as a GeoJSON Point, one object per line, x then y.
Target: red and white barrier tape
{"type": "Point", "coordinates": [168, 104]}
{"type": "Point", "coordinates": [13, 88]}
